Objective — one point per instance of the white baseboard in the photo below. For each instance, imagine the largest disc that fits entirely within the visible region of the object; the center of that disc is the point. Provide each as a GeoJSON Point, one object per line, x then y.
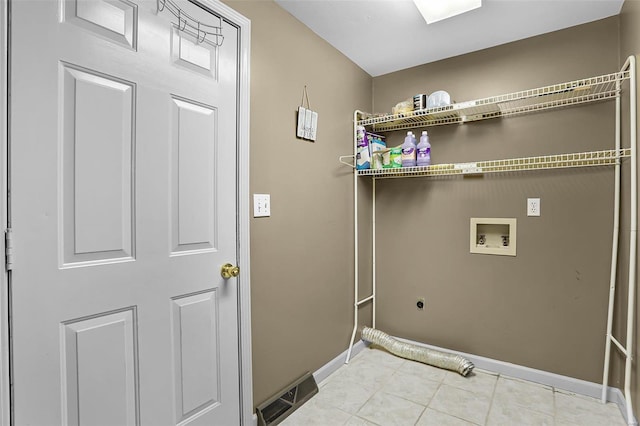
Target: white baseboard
{"type": "Point", "coordinates": [254, 419]}
{"type": "Point", "coordinates": [326, 370]}
{"type": "Point", "coordinates": [577, 386]}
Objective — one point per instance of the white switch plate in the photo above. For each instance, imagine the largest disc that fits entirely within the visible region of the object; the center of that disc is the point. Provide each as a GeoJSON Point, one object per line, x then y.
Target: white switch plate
{"type": "Point", "coordinates": [261, 205]}
{"type": "Point", "coordinates": [533, 206]}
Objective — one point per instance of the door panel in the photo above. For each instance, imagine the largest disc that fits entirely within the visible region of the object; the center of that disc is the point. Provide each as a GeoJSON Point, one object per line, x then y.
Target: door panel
{"type": "Point", "coordinates": [98, 121]}
{"type": "Point", "coordinates": [193, 161]}
{"type": "Point", "coordinates": [196, 349]}
{"type": "Point", "coordinates": [101, 349]}
{"type": "Point", "coordinates": [115, 20]}
{"type": "Point", "coordinates": [123, 175]}
{"type": "Point", "coordinates": [189, 53]}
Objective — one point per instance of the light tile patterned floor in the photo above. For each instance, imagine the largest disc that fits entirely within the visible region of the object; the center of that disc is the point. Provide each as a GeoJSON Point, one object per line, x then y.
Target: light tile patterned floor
{"type": "Point", "coordinates": [377, 388]}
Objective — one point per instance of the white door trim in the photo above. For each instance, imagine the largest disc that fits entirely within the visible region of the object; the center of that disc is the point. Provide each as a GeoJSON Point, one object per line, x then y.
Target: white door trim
{"type": "Point", "coordinates": [244, 291]}
{"type": "Point", "coordinates": [5, 401]}
{"type": "Point", "coordinates": [244, 279]}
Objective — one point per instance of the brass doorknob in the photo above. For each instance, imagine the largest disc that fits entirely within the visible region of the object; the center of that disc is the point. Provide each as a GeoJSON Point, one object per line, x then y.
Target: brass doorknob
{"type": "Point", "coordinates": [228, 270]}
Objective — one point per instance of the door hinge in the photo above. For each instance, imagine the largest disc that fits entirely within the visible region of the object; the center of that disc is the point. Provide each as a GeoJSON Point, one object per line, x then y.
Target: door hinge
{"type": "Point", "coordinates": [8, 249]}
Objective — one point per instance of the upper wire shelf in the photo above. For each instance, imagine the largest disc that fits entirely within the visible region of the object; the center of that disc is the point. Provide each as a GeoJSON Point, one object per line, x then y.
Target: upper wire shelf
{"type": "Point", "coordinates": [203, 33]}
{"type": "Point", "coordinates": [558, 95]}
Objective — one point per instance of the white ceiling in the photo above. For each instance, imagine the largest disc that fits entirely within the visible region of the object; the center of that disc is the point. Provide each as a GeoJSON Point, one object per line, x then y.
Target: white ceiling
{"type": "Point", "coordinates": [383, 36]}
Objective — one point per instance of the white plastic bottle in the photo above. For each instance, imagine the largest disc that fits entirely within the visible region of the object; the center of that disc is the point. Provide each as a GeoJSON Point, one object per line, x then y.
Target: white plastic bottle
{"type": "Point", "coordinates": [409, 150]}
{"type": "Point", "coordinates": [423, 151]}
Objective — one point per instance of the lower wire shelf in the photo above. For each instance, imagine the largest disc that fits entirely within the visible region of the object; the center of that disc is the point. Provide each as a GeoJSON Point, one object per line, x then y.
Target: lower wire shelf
{"type": "Point", "coordinates": [546, 162]}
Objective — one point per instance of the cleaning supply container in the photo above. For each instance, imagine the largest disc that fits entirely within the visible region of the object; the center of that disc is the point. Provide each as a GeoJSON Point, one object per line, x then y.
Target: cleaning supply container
{"type": "Point", "coordinates": [363, 156]}
{"type": "Point", "coordinates": [423, 150]}
{"type": "Point", "coordinates": [409, 150]}
{"type": "Point", "coordinates": [395, 157]}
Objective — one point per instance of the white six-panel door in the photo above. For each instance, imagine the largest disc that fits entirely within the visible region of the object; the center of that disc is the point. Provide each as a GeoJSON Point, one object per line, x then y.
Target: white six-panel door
{"type": "Point", "coordinates": [123, 209]}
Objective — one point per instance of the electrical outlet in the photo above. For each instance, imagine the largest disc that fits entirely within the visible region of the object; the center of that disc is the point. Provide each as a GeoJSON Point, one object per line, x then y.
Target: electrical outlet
{"type": "Point", "coordinates": [261, 205]}
{"type": "Point", "coordinates": [420, 304]}
{"type": "Point", "coordinates": [533, 206]}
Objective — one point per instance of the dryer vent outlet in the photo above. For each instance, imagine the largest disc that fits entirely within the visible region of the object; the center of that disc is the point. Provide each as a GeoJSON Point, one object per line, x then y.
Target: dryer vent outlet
{"type": "Point", "coordinates": [286, 401]}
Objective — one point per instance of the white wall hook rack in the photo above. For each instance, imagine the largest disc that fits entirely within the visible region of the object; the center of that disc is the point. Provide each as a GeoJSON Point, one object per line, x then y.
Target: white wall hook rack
{"type": "Point", "coordinates": [203, 33]}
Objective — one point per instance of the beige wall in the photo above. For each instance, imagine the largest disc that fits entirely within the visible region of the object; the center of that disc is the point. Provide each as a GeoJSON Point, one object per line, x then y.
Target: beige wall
{"type": "Point", "coordinates": [301, 256]}
{"type": "Point", "coordinates": [629, 45]}
{"type": "Point", "coordinates": [546, 307]}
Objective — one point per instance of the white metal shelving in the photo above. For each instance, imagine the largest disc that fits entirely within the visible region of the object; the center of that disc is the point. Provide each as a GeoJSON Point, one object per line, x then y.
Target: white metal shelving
{"type": "Point", "coordinates": [558, 161]}
{"type": "Point", "coordinates": [589, 90]}
{"type": "Point", "coordinates": [549, 97]}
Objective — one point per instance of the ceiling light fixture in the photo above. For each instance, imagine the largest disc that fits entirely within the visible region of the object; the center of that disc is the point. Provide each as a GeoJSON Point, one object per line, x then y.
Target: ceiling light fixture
{"type": "Point", "coordinates": [437, 10]}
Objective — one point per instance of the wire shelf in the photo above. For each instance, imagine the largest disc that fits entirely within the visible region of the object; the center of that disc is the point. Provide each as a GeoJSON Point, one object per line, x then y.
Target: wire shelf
{"type": "Point", "coordinates": [587, 90]}
{"type": "Point", "coordinates": [546, 162]}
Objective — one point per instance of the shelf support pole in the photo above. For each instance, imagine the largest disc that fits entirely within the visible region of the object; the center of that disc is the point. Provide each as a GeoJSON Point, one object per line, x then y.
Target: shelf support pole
{"type": "Point", "coordinates": [632, 242]}
{"type": "Point", "coordinates": [355, 238]}
{"type": "Point", "coordinates": [373, 261]}
{"type": "Point", "coordinates": [614, 251]}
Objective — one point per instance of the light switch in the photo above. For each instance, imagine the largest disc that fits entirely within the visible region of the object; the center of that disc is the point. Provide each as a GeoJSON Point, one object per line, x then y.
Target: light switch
{"type": "Point", "coordinates": [261, 205]}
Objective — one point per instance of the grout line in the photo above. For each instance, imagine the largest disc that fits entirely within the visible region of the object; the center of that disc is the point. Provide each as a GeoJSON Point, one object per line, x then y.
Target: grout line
{"type": "Point", "coordinates": [421, 414]}
{"type": "Point", "coordinates": [493, 394]}
{"type": "Point", "coordinates": [455, 417]}
{"type": "Point", "coordinates": [545, 388]}
{"type": "Point", "coordinates": [434, 394]}
{"type": "Point", "coordinates": [555, 406]}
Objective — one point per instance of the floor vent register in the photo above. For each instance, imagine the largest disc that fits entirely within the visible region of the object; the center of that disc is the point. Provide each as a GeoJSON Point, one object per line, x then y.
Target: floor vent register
{"type": "Point", "coordinates": [285, 402]}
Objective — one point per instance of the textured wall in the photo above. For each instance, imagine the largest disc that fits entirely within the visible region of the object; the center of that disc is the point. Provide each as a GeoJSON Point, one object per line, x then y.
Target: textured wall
{"type": "Point", "coordinates": [301, 256]}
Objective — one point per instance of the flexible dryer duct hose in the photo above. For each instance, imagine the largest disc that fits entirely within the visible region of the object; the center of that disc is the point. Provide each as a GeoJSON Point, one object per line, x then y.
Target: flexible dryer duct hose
{"type": "Point", "coordinates": [416, 353]}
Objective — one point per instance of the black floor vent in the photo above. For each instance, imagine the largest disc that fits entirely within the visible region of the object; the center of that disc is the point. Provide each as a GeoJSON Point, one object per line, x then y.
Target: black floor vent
{"type": "Point", "coordinates": [282, 404]}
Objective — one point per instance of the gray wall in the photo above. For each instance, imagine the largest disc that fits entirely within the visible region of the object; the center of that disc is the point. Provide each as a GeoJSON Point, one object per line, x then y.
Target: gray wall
{"type": "Point", "coordinates": [302, 256]}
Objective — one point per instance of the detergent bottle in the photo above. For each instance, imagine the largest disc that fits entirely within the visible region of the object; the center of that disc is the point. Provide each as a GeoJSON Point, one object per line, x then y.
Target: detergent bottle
{"type": "Point", "coordinates": [423, 151]}
{"type": "Point", "coordinates": [409, 150]}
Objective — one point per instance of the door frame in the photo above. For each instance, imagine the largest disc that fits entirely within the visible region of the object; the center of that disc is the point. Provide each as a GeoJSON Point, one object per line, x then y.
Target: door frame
{"type": "Point", "coordinates": [242, 208]}
{"type": "Point", "coordinates": [5, 400]}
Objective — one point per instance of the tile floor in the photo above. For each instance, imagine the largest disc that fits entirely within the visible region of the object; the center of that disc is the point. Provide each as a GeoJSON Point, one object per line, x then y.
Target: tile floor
{"type": "Point", "coordinates": [377, 388]}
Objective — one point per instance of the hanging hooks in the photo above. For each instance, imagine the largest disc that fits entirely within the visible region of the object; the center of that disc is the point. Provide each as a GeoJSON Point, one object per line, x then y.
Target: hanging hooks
{"type": "Point", "coordinates": [307, 119]}
{"type": "Point", "coordinates": [204, 35]}
{"type": "Point", "coordinates": [305, 95]}
{"type": "Point", "coordinates": [189, 25]}
{"type": "Point", "coordinates": [181, 21]}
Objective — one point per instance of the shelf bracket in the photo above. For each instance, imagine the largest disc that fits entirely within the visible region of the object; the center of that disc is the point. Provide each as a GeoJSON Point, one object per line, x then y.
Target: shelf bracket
{"type": "Point", "coordinates": [343, 160]}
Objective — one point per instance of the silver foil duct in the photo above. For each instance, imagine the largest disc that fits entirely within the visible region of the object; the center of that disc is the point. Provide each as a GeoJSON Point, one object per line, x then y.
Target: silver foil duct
{"type": "Point", "coordinates": [416, 353]}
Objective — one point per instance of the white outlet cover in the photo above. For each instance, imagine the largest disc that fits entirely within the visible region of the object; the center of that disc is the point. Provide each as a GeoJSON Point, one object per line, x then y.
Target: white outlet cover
{"type": "Point", "coordinates": [261, 205]}
{"type": "Point", "coordinates": [533, 206]}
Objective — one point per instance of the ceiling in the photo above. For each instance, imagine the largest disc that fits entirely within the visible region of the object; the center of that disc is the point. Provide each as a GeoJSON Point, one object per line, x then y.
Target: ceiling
{"type": "Point", "coordinates": [383, 36]}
